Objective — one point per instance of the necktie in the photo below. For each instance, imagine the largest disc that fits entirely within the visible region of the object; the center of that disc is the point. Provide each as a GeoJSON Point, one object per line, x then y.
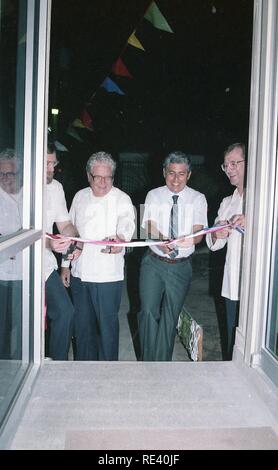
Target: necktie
{"type": "Point", "coordinates": [174, 224]}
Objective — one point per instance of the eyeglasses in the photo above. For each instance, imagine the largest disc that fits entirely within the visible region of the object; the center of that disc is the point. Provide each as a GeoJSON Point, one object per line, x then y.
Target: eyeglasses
{"type": "Point", "coordinates": [9, 174]}
{"type": "Point", "coordinates": [54, 164]}
{"type": "Point", "coordinates": [98, 178]}
{"type": "Point", "coordinates": [233, 165]}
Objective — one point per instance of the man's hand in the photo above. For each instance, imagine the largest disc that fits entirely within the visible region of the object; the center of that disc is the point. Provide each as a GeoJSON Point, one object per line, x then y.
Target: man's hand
{"type": "Point", "coordinates": [238, 220]}
{"type": "Point", "coordinates": [185, 243]}
{"type": "Point", "coordinates": [166, 249]}
{"type": "Point", "coordinates": [223, 233]}
{"type": "Point", "coordinates": [65, 276]}
{"type": "Point", "coordinates": [59, 244]}
{"type": "Point", "coordinates": [112, 250]}
{"type": "Point", "coordinates": [75, 252]}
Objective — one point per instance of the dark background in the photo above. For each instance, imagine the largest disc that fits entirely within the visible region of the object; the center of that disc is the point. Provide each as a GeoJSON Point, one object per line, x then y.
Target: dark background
{"type": "Point", "coordinates": [190, 90]}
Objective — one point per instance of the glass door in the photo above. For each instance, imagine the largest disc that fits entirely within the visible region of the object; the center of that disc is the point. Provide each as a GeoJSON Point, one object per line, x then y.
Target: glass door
{"type": "Point", "coordinates": [272, 318]}
{"type": "Point", "coordinates": [24, 27]}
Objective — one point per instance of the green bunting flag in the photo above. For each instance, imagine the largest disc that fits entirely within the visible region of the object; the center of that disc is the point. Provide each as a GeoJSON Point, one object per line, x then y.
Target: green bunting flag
{"type": "Point", "coordinates": [155, 17]}
{"type": "Point", "coordinates": [72, 132]}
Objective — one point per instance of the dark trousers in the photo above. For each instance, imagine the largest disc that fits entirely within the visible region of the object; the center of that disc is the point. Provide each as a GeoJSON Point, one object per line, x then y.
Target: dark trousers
{"type": "Point", "coordinates": [10, 319]}
{"type": "Point", "coordinates": [232, 309]}
{"type": "Point", "coordinates": [59, 311]}
{"type": "Point", "coordinates": [96, 323]}
{"type": "Point", "coordinates": [163, 289]}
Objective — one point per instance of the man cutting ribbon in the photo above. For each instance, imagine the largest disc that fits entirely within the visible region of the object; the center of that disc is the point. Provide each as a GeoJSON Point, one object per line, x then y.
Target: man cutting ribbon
{"type": "Point", "coordinates": [166, 270]}
{"type": "Point", "coordinates": [100, 212]}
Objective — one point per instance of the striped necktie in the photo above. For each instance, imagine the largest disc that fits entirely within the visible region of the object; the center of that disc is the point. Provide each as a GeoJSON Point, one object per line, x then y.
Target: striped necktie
{"type": "Point", "coordinates": [174, 224]}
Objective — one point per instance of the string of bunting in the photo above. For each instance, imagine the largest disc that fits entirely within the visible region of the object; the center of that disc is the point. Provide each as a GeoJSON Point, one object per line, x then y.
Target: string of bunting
{"type": "Point", "coordinates": [155, 17]}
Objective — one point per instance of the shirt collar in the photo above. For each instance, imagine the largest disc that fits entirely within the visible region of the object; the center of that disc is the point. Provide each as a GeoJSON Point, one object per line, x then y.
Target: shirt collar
{"type": "Point", "coordinates": [180, 194]}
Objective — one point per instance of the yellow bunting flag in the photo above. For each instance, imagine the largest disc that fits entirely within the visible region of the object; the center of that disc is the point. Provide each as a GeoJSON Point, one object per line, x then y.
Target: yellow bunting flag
{"type": "Point", "coordinates": [134, 41]}
{"type": "Point", "coordinates": [78, 123]}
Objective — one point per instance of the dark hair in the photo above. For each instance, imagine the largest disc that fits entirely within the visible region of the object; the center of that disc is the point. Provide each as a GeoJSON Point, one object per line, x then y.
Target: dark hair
{"type": "Point", "coordinates": [235, 146]}
{"type": "Point", "coordinates": [51, 147]}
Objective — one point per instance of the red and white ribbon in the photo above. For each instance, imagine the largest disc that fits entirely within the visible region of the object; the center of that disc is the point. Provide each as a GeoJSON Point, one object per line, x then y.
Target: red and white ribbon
{"type": "Point", "coordinates": [140, 243]}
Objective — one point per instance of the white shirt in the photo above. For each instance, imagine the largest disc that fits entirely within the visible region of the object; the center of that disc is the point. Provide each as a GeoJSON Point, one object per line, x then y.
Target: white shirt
{"type": "Point", "coordinates": [192, 210]}
{"type": "Point", "coordinates": [230, 206]}
{"type": "Point", "coordinates": [10, 223]}
{"type": "Point", "coordinates": [56, 211]}
{"type": "Point", "coordinates": [98, 218]}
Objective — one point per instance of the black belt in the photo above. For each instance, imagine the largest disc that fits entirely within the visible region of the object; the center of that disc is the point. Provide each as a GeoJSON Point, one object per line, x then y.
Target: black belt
{"type": "Point", "coordinates": [169, 260]}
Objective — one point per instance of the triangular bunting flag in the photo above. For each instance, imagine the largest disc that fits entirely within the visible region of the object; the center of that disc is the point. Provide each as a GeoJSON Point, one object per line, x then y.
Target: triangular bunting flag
{"type": "Point", "coordinates": [22, 39]}
{"type": "Point", "coordinates": [111, 86]}
{"type": "Point", "coordinates": [78, 123]}
{"type": "Point", "coordinates": [133, 41]}
{"type": "Point", "coordinates": [86, 119]}
{"type": "Point", "coordinates": [60, 146]}
{"type": "Point", "coordinates": [72, 132]}
{"type": "Point", "coordinates": [119, 68]}
{"type": "Point", "coordinates": [155, 16]}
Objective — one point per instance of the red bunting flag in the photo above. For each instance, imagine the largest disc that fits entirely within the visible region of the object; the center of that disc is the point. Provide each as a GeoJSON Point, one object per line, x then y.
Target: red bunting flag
{"type": "Point", "coordinates": [86, 119]}
{"type": "Point", "coordinates": [119, 68]}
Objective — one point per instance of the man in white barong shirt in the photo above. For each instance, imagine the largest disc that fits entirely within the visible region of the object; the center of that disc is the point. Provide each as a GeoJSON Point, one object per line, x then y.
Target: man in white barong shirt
{"type": "Point", "coordinates": [100, 211]}
{"type": "Point", "coordinates": [59, 308]}
{"type": "Point", "coordinates": [11, 204]}
{"type": "Point", "coordinates": [231, 210]}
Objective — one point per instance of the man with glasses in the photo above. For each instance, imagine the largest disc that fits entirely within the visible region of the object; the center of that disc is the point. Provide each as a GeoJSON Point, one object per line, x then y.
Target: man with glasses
{"type": "Point", "coordinates": [59, 308]}
{"type": "Point", "coordinates": [231, 211]}
{"type": "Point", "coordinates": [171, 211]}
{"type": "Point", "coordinates": [99, 212]}
{"type": "Point", "coordinates": [11, 202]}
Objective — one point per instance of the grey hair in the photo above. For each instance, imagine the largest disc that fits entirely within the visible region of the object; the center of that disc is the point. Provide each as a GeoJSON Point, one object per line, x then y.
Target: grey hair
{"type": "Point", "coordinates": [235, 146]}
{"type": "Point", "coordinates": [177, 157]}
{"type": "Point", "coordinates": [9, 155]}
{"type": "Point", "coordinates": [101, 157]}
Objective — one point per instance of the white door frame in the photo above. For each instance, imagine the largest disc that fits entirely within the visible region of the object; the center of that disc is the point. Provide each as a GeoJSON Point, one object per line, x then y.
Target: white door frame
{"type": "Point", "coordinates": [262, 160]}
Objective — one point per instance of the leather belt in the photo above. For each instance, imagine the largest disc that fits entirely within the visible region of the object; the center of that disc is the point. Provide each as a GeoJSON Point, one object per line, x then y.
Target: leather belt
{"type": "Point", "coordinates": [169, 260]}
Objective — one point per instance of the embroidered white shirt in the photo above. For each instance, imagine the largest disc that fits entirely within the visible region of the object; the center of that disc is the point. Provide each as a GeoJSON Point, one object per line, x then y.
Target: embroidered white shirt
{"type": "Point", "coordinates": [229, 206]}
{"type": "Point", "coordinates": [10, 222]}
{"type": "Point", "coordinates": [98, 218]}
{"type": "Point", "coordinates": [56, 211]}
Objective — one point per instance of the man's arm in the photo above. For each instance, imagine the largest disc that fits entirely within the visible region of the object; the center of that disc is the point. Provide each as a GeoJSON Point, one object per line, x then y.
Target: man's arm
{"type": "Point", "coordinates": [188, 242]}
{"type": "Point", "coordinates": [217, 240]}
{"type": "Point", "coordinates": [153, 232]}
{"type": "Point", "coordinates": [125, 224]}
{"type": "Point", "coordinates": [67, 228]}
{"type": "Point", "coordinates": [61, 244]}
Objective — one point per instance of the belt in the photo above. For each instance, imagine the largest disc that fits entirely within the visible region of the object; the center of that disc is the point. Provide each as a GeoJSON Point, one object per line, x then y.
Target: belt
{"type": "Point", "coordinates": [169, 260]}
